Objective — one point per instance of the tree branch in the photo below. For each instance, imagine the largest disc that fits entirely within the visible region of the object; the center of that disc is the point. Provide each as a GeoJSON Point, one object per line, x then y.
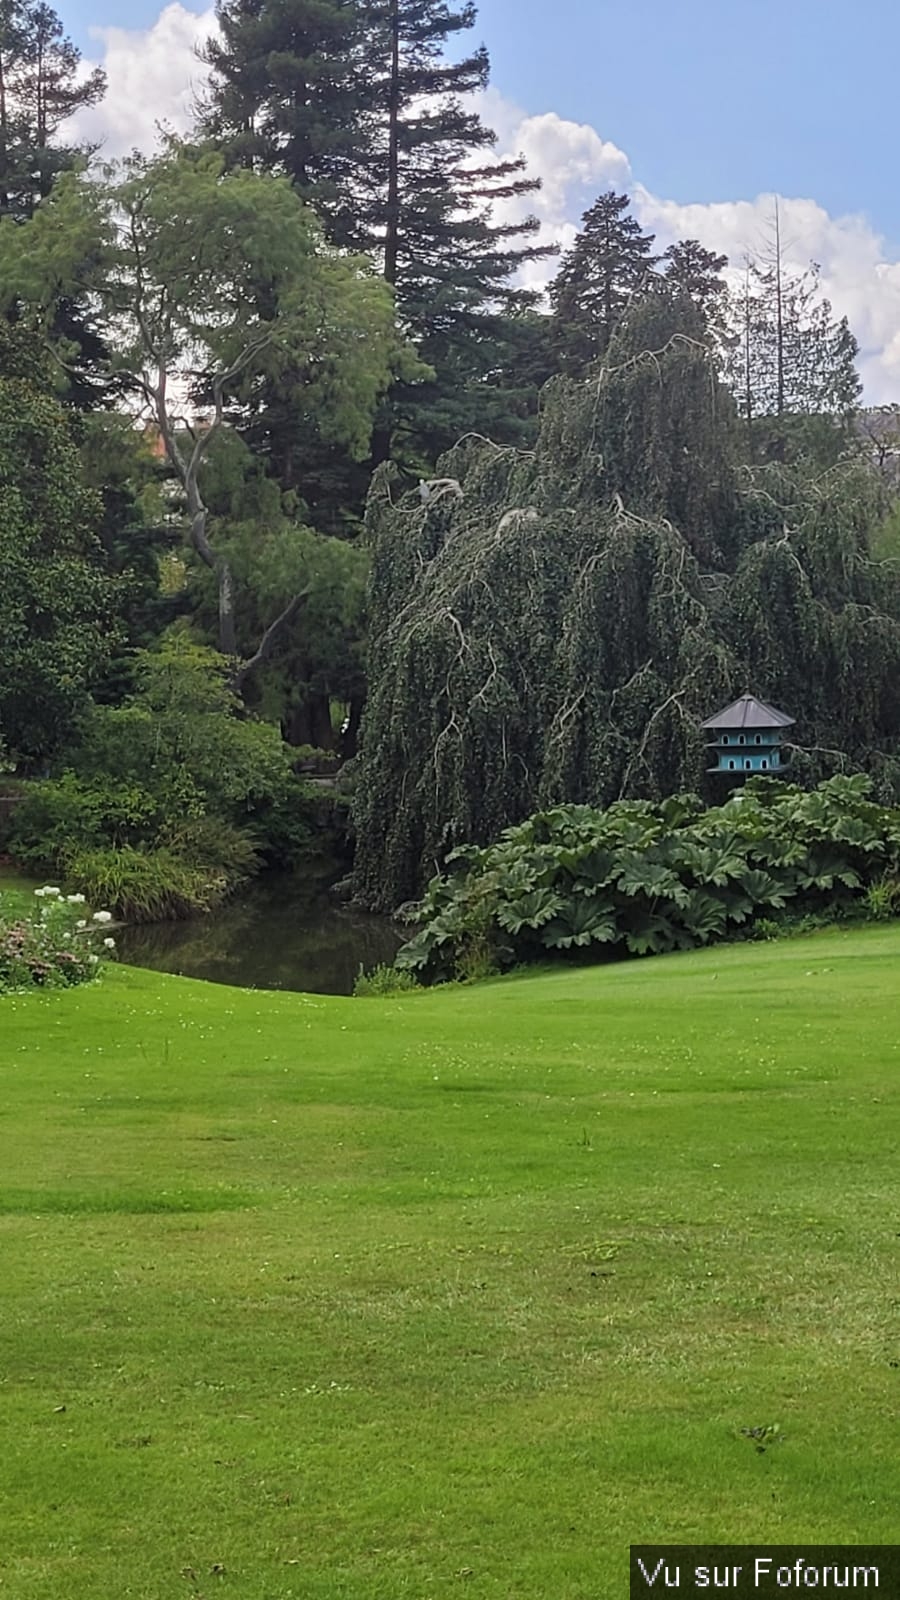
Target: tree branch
{"type": "Point", "coordinates": [268, 641]}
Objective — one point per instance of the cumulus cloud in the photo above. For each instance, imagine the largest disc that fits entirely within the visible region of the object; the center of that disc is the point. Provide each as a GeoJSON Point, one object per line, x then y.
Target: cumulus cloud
{"type": "Point", "coordinates": [155, 77]}
{"type": "Point", "coordinates": [861, 282]}
{"type": "Point", "coordinates": [575, 164]}
{"type": "Point", "coordinates": [572, 161]}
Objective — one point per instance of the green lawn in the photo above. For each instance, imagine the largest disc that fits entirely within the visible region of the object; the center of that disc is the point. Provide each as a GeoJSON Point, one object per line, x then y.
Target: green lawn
{"type": "Point", "coordinates": [16, 890]}
{"type": "Point", "coordinates": [456, 1293]}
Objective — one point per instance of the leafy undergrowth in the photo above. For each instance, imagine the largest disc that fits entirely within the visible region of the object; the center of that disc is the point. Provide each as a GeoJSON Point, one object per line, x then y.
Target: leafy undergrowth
{"type": "Point", "coordinates": [644, 879]}
{"type": "Point", "coordinates": [455, 1293]}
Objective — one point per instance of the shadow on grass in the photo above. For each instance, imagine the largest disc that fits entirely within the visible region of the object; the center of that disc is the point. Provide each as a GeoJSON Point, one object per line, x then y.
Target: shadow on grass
{"type": "Point", "coordinates": [60, 1202]}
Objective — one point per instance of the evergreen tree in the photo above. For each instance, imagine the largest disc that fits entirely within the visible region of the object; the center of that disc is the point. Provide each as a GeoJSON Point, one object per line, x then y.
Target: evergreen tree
{"type": "Point", "coordinates": [40, 88]}
{"type": "Point", "coordinates": [790, 358]}
{"type": "Point", "coordinates": [607, 266]}
{"type": "Point", "coordinates": [360, 107]}
{"type": "Point", "coordinates": [288, 93]}
{"type": "Point", "coordinates": [689, 268]}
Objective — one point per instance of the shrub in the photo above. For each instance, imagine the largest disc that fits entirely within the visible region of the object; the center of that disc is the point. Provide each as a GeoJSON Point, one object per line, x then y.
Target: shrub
{"type": "Point", "coordinates": [54, 946]}
{"type": "Point", "coordinates": [146, 885]}
{"type": "Point", "coordinates": [57, 818]}
{"type": "Point", "coordinates": [170, 801]}
{"type": "Point", "coordinates": [638, 878]}
{"type": "Point", "coordinates": [882, 899]}
{"type": "Point", "coordinates": [384, 980]}
{"type": "Point", "coordinates": [216, 845]}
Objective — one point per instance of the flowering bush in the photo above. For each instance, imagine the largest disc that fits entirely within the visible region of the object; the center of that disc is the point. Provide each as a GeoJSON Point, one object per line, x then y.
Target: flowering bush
{"type": "Point", "coordinates": [57, 945]}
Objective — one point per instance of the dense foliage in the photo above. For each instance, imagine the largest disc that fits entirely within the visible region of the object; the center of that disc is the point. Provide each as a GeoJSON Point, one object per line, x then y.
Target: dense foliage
{"type": "Point", "coordinates": [57, 945]}
{"type": "Point", "coordinates": [365, 105]}
{"type": "Point", "coordinates": [641, 879]}
{"type": "Point", "coordinates": [59, 601]}
{"type": "Point", "coordinates": [166, 803]}
{"type": "Point", "coordinates": [330, 276]}
{"type": "Point", "coordinates": [555, 626]}
{"type": "Point", "coordinates": [174, 251]}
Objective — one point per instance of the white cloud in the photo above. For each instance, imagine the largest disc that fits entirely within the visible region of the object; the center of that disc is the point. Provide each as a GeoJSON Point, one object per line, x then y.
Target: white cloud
{"type": "Point", "coordinates": [860, 281]}
{"type": "Point", "coordinates": [155, 77]}
{"type": "Point", "coordinates": [572, 161]}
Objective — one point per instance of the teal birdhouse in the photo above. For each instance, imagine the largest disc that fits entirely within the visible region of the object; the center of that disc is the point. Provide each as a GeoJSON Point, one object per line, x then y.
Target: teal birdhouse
{"type": "Point", "coordinates": [746, 738]}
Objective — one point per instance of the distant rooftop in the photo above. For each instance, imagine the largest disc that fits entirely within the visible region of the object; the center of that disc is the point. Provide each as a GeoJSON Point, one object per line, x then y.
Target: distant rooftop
{"type": "Point", "coordinates": [748, 712]}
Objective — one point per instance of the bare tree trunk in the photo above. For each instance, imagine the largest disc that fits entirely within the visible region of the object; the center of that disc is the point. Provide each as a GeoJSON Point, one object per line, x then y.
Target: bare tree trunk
{"type": "Point", "coordinates": [392, 212]}
{"type": "Point", "coordinates": [779, 319]}
{"type": "Point", "coordinates": [309, 722]}
{"type": "Point", "coordinates": [187, 469]}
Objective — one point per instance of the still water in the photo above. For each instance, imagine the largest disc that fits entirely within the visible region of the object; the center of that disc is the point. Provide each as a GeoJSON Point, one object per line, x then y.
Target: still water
{"type": "Point", "coordinates": [280, 933]}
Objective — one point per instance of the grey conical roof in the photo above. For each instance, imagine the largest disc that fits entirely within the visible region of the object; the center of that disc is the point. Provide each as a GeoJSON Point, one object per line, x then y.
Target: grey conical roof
{"type": "Point", "coordinates": [748, 712]}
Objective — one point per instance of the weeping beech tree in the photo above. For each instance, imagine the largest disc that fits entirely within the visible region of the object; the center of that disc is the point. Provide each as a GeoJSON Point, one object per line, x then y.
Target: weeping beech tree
{"type": "Point", "coordinates": [554, 625]}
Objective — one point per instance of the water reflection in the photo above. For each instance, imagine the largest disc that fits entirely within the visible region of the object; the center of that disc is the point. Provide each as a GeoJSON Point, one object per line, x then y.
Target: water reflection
{"type": "Point", "coordinates": [281, 933]}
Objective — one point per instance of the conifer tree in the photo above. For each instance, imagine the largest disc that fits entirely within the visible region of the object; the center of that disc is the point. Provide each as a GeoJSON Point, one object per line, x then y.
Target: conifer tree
{"type": "Point", "coordinates": [287, 96]}
{"type": "Point", "coordinates": [792, 363]}
{"type": "Point", "coordinates": [689, 268]}
{"type": "Point", "coordinates": [40, 88]}
{"type": "Point", "coordinates": [360, 106]}
{"type": "Point", "coordinates": [607, 266]}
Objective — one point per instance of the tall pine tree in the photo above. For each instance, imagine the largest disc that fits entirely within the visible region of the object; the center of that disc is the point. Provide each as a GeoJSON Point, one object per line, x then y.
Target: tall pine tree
{"type": "Point", "coordinates": [40, 88]}
{"type": "Point", "coordinates": [287, 95]}
{"type": "Point", "coordinates": [689, 268]}
{"type": "Point", "coordinates": [608, 265]}
{"type": "Point", "coordinates": [361, 107]}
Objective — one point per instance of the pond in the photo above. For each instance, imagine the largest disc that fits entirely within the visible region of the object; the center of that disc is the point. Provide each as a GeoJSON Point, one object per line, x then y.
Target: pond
{"type": "Point", "coordinates": [283, 932]}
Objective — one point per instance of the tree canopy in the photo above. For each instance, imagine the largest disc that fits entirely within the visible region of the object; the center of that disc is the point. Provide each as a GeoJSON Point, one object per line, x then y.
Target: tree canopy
{"type": "Point", "coordinates": [362, 105]}
{"type": "Point", "coordinates": [176, 250]}
{"type": "Point", "coordinates": [58, 601]}
{"type": "Point", "coordinates": [555, 625]}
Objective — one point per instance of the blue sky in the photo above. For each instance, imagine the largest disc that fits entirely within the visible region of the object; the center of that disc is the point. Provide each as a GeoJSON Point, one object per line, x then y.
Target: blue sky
{"type": "Point", "coordinates": [715, 99]}
{"type": "Point", "coordinates": [711, 99]}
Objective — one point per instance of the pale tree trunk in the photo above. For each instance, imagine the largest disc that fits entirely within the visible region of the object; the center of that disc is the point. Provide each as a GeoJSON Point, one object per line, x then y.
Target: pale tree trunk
{"type": "Point", "coordinates": [187, 468]}
{"type": "Point", "coordinates": [779, 319]}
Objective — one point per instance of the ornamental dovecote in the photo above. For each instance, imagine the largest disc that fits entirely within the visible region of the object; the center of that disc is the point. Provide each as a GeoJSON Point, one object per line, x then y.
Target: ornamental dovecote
{"type": "Point", "coordinates": [747, 738]}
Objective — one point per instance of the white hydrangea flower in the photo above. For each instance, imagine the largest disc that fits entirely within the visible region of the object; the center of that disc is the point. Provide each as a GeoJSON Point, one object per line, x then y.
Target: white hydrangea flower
{"type": "Point", "coordinates": [74, 899]}
{"type": "Point", "coordinates": [48, 889]}
{"type": "Point", "coordinates": [102, 916]}
{"type": "Point", "coordinates": [80, 924]}
{"type": "Point", "coordinates": [109, 944]}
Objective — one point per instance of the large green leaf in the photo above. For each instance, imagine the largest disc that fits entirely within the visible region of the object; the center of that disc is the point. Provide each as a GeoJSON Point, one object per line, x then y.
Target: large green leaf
{"type": "Point", "coordinates": [529, 911]}
{"type": "Point", "coordinates": [704, 915]}
{"type": "Point", "coordinates": [763, 889]}
{"type": "Point", "coordinates": [639, 875]}
{"type": "Point", "coordinates": [650, 935]}
{"type": "Point", "coordinates": [579, 923]}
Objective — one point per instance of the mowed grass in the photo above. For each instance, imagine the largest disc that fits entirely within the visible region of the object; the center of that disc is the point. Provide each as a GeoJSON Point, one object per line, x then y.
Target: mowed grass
{"type": "Point", "coordinates": [455, 1293]}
